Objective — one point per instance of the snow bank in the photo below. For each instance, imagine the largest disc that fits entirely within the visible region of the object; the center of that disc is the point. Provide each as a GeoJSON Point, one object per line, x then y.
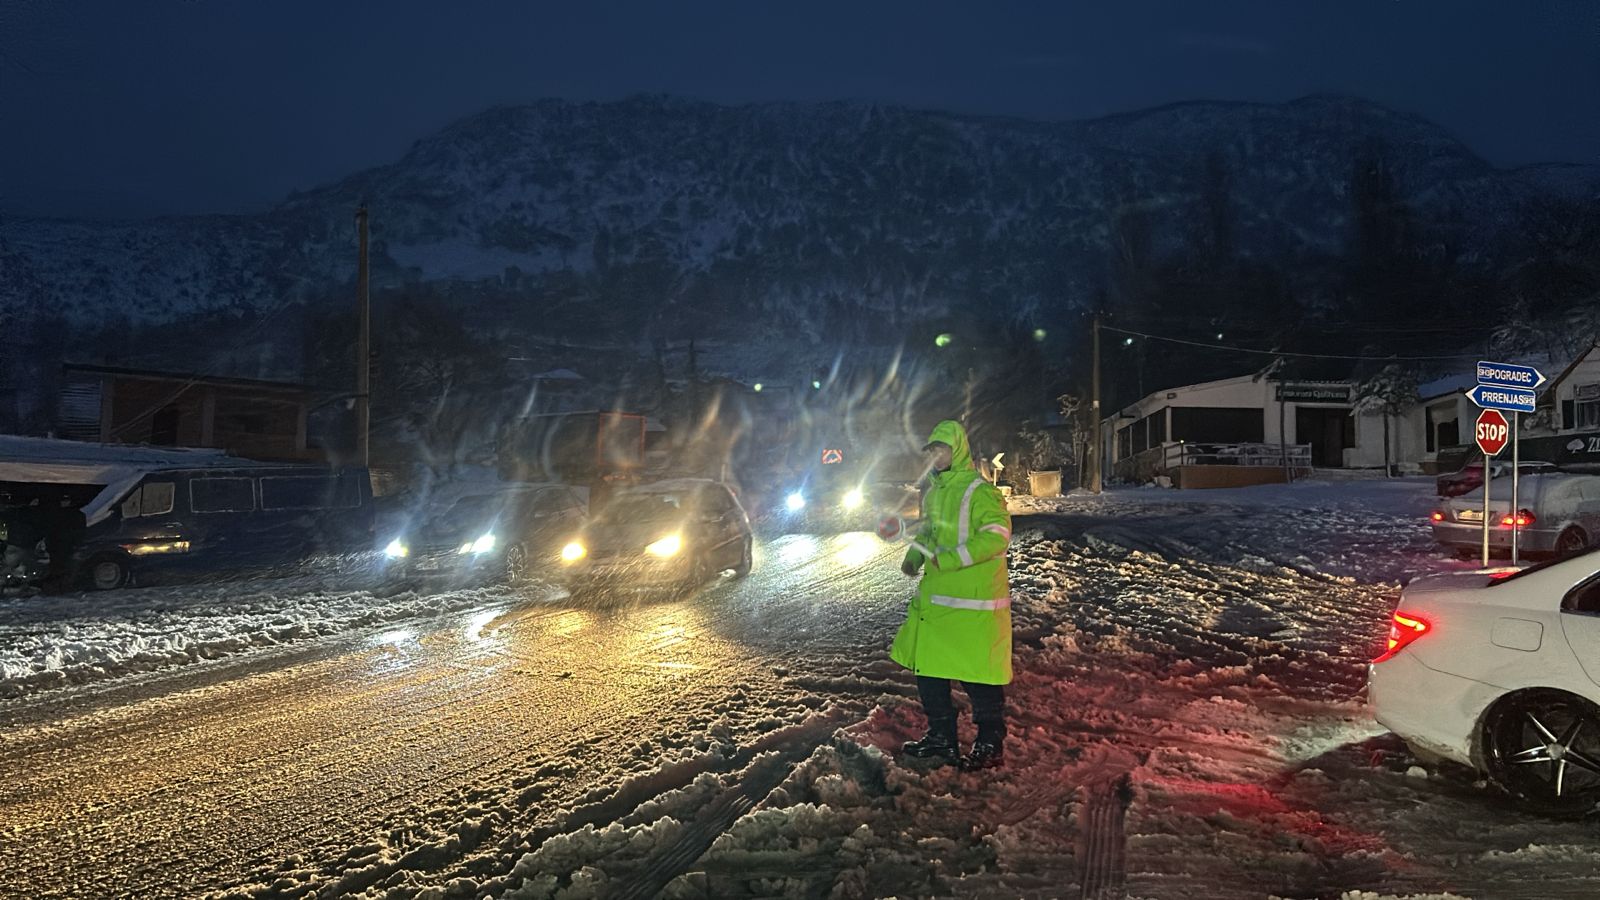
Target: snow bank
{"type": "Point", "coordinates": [54, 642]}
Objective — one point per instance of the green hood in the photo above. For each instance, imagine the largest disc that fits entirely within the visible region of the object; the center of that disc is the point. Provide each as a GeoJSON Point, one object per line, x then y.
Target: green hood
{"type": "Point", "coordinates": [950, 432]}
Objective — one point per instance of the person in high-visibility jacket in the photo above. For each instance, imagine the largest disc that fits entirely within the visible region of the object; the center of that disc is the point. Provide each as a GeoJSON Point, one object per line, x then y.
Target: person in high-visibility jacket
{"type": "Point", "coordinates": [959, 625]}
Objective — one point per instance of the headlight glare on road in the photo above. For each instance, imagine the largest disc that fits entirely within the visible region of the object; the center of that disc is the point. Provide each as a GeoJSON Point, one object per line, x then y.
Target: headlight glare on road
{"type": "Point", "coordinates": [854, 499]}
{"type": "Point", "coordinates": [573, 552]}
{"type": "Point", "coordinates": [796, 502]}
{"type": "Point", "coordinates": [396, 550]}
{"type": "Point", "coordinates": [667, 546]}
{"type": "Point", "coordinates": [480, 546]}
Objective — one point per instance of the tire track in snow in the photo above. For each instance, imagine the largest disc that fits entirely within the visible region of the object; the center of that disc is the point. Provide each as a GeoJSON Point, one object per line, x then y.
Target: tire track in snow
{"type": "Point", "coordinates": [1103, 842]}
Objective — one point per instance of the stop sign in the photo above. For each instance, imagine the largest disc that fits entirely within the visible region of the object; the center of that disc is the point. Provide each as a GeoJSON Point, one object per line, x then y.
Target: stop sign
{"type": "Point", "coordinates": [1492, 432]}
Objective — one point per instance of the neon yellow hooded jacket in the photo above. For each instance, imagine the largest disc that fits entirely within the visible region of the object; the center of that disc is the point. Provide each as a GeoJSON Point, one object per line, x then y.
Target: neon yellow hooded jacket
{"type": "Point", "coordinates": [959, 626]}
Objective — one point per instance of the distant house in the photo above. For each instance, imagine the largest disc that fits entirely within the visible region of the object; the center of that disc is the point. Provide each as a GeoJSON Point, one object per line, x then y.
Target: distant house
{"type": "Point", "coordinates": [1256, 429]}
{"type": "Point", "coordinates": [1571, 400]}
{"type": "Point", "coordinates": [1446, 421]}
{"type": "Point", "coordinates": [253, 419]}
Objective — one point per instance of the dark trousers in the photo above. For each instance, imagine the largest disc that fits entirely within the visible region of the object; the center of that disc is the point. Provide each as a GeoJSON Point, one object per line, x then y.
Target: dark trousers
{"type": "Point", "coordinates": [988, 707]}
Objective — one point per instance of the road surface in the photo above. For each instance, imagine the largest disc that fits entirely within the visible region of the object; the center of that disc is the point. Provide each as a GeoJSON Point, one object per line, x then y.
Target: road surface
{"type": "Point", "coordinates": [323, 761]}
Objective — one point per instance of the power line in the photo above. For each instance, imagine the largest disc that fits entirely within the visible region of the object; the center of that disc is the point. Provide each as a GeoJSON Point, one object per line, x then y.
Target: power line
{"type": "Point", "coordinates": [1236, 349]}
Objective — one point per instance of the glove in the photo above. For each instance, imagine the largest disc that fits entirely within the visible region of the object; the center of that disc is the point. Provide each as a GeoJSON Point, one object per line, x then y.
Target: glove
{"type": "Point", "coordinates": [909, 567]}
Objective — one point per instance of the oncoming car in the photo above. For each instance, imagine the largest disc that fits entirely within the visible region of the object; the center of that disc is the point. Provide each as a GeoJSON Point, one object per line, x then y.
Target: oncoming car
{"type": "Point", "coordinates": [1500, 671]}
{"type": "Point", "coordinates": [506, 533]}
{"type": "Point", "coordinates": [842, 493]}
{"type": "Point", "coordinates": [670, 534]}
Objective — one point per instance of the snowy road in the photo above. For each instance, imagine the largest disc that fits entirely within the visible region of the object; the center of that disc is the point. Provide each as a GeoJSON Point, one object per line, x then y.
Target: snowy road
{"type": "Point", "coordinates": [513, 710]}
{"type": "Point", "coordinates": [1188, 721]}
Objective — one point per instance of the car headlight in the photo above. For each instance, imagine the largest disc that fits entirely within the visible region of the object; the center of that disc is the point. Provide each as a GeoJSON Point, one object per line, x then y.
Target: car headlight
{"type": "Point", "coordinates": [854, 499]}
{"type": "Point", "coordinates": [796, 502]}
{"type": "Point", "coordinates": [479, 546]}
{"type": "Point", "coordinates": [667, 546]}
{"type": "Point", "coordinates": [396, 550]}
{"type": "Point", "coordinates": [573, 552]}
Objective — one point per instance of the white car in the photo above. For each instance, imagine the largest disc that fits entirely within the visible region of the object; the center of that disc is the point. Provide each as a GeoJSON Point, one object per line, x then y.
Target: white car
{"type": "Point", "coordinates": [1558, 512]}
{"type": "Point", "coordinates": [1500, 670]}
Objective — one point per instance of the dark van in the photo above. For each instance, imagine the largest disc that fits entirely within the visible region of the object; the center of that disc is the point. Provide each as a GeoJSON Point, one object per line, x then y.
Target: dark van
{"type": "Point", "coordinates": [214, 520]}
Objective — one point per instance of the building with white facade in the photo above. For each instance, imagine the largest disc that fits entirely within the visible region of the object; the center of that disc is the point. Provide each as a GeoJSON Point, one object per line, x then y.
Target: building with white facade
{"type": "Point", "coordinates": [1253, 429]}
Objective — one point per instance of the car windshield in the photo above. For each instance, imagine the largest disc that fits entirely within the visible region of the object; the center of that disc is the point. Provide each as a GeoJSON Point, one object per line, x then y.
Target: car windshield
{"type": "Point", "coordinates": [470, 511]}
{"type": "Point", "coordinates": [644, 508]}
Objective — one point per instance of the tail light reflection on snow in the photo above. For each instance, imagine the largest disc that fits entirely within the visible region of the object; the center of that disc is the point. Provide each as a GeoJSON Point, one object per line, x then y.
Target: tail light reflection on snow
{"type": "Point", "coordinates": [1403, 629]}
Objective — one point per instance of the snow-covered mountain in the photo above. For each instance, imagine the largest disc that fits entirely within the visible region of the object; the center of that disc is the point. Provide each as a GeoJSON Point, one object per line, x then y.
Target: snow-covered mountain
{"type": "Point", "coordinates": [793, 216]}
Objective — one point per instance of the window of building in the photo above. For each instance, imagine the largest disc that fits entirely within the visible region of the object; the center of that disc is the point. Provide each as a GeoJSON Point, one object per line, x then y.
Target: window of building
{"type": "Point", "coordinates": [222, 495]}
{"type": "Point", "coordinates": [1441, 428]}
{"type": "Point", "coordinates": [164, 427]}
{"type": "Point", "coordinates": [1586, 403]}
{"type": "Point", "coordinates": [1233, 425]}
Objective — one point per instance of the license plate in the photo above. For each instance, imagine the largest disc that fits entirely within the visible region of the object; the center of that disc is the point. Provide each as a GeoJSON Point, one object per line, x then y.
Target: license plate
{"type": "Point", "coordinates": [1470, 515]}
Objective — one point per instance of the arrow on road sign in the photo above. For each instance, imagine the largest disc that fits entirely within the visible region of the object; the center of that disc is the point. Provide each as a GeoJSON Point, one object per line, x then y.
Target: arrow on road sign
{"type": "Point", "coordinates": [1513, 399]}
{"type": "Point", "coordinates": [1509, 375]}
{"type": "Point", "coordinates": [998, 465]}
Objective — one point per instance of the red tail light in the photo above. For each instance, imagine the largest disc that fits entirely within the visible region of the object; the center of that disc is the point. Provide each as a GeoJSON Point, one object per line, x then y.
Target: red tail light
{"type": "Point", "coordinates": [1437, 516]}
{"type": "Point", "coordinates": [1523, 520]}
{"type": "Point", "coordinates": [1403, 629]}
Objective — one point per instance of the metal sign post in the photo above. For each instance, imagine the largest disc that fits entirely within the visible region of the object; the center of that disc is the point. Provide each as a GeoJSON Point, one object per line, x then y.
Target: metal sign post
{"type": "Point", "coordinates": [1490, 434]}
{"type": "Point", "coordinates": [1509, 387]}
{"type": "Point", "coordinates": [1488, 476]}
{"type": "Point", "coordinates": [1516, 473]}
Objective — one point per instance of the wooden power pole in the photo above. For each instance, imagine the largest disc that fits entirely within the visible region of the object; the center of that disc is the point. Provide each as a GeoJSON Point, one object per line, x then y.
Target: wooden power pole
{"type": "Point", "coordinates": [363, 346]}
{"type": "Point", "coordinates": [1095, 484]}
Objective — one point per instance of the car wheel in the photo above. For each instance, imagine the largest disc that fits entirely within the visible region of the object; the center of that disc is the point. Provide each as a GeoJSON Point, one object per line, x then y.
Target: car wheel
{"type": "Point", "coordinates": [516, 564]}
{"type": "Point", "coordinates": [107, 573]}
{"type": "Point", "coordinates": [1542, 747]}
{"type": "Point", "coordinates": [1571, 541]}
{"type": "Point", "coordinates": [746, 560]}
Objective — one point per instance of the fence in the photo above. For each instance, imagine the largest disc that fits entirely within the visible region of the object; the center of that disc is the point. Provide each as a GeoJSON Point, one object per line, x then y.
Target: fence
{"type": "Point", "coordinates": [1168, 458]}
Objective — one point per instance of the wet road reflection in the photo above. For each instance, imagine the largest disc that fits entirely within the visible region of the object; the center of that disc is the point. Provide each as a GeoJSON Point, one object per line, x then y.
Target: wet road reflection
{"type": "Point", "coordinates": [171, 792]}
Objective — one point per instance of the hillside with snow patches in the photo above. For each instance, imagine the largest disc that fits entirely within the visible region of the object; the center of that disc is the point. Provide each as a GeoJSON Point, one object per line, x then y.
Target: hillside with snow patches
{"type": "Point", "coordinates": [780, 212]}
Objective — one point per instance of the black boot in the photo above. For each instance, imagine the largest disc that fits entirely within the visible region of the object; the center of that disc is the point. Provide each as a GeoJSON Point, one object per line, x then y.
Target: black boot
{"type": "Point", "coordinates": [990, 754]}
{"type": "Point", "coordinates": [988, 713]}
{"type": "Point", "coordinates": [938, 743]}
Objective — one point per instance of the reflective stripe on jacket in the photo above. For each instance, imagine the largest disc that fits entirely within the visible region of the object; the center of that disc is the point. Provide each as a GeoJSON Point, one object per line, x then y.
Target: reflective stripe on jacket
{"type": "Point", "coordinates": [959, 626]}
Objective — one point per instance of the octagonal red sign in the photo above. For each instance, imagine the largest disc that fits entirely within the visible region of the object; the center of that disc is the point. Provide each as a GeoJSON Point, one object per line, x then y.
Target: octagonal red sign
{"type": "Point", "coordinates": [1492, 432]}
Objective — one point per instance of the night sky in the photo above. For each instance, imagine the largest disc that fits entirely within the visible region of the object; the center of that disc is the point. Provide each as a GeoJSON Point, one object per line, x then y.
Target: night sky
{"type": "Point", "coordinates": [120, 108]}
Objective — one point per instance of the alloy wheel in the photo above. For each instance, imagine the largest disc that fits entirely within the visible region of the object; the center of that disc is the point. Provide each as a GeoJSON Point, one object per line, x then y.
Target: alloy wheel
{"type": "Point", "coordinates": [1543, 747]}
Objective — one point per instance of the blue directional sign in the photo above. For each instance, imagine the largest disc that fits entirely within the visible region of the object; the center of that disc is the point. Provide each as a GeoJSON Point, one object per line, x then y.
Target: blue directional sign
{"type": "Point", "coordinates": [1509, 399]}
{"type": "Point", "coordinates": [1509, 375]}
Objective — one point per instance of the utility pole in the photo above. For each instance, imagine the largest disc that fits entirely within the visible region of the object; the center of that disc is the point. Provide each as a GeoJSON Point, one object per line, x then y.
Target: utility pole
{"type": "Point", "coordinates": [363, 345]}
{"type": "Point", "coordinates": [1095, 484]}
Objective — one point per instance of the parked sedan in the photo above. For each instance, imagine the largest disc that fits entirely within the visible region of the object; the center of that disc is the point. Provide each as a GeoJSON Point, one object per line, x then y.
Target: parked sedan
{"type": "Point", "coordinates": [671, 534]}
{"type": "Point", "coordinates": [1501, 671]}
{"type": "Point", "coordinates": [1557, 512]}
{"type": "Point", "coordinates": [505, 533]}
